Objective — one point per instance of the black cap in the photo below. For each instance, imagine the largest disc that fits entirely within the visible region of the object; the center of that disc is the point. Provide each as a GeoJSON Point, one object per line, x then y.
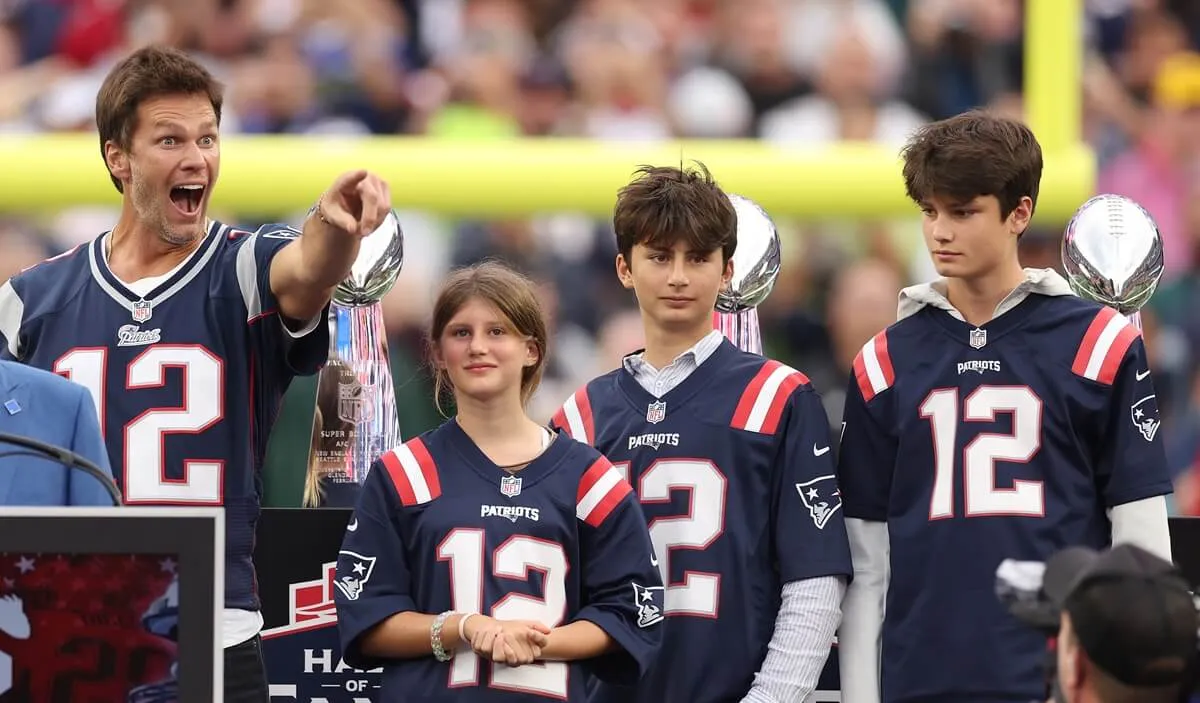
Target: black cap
{"type": "Point", "coordinates": [1132, 612]}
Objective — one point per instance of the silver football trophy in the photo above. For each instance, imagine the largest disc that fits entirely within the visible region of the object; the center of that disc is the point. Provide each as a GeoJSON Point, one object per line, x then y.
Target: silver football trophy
{"type": "Point", "coordinates": [1113, 254]}
{"type": "Point", "coordinates": [355, 416]}
{"type": "Point", "coordinates": [755, 268]}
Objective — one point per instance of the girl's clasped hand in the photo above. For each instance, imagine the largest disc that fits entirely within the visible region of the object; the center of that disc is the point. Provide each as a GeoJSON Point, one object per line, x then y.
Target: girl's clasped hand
{"type": "Point", "coordinates": [511, 642]}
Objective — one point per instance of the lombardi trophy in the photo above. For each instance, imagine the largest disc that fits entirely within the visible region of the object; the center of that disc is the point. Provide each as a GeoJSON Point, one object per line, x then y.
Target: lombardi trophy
{"type": "Point", "coordinates": [1113, 254]}
{"type": "Point", "coordinates": [355, 415]}
{"type": "Point", "coordinates": [755, 268]}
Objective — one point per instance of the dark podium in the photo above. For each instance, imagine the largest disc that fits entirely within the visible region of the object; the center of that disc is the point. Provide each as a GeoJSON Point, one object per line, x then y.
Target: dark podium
{"type": "Point", "coordinates": [297, 550]}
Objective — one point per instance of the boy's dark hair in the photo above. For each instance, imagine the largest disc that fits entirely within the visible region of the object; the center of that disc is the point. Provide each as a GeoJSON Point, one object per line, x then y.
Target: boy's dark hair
{"type": "Point", "coordinates": [664, 204]}
{"type": "Point", "coordinates": [149, 72]}
{"type": "Point", "coordinates": [970, 155]}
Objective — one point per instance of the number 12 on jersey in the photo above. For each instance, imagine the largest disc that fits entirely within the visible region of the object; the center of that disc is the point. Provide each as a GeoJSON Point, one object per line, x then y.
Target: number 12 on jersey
{"type": "Point", "coordinates": [981, 496]}
{"type": "Point", "coordinates": [698, 593]}
{"type": "Point", "coordinates": [142, 471]}
{"type": "Point", "coordinates": [464, 549]}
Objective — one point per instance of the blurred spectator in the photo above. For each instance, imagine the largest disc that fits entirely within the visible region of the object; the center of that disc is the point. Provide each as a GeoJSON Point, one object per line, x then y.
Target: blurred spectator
{"type": "Point", "coordinates": [1161, 167]}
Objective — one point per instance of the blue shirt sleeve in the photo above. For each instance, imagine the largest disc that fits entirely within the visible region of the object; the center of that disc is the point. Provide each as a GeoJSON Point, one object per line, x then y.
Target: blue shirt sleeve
{"type": "Point", "coordinates": [810, 530]}
{"type": "Point", "coordinates": [1131, 463]}
{"type": "Point", "coordinates": [622, 590]}
{"type": "Point", "coordinates": [89, 444]}
{"type": "Point", "coordinates": [373, 579]}
{"type": "Point", "coordinates": [303, 345]}
{"type": "Point", "coordinates": [866, 455]}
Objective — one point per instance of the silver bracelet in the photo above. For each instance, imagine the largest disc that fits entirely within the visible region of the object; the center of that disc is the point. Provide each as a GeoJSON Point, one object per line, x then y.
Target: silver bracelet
{"type": "Point", "coordinates": [435, 637]}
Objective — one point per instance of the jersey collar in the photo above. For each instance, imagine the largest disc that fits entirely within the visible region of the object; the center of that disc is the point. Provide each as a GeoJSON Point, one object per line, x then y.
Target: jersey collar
{"type": "Point", "coordinates": [636, 363]}
{"type": "Point", "coordinates": [1039, 281]}
{"type": "Point", "coordinates": [465, 447]}
{"type": "Point", "coordinates": [142, 308]}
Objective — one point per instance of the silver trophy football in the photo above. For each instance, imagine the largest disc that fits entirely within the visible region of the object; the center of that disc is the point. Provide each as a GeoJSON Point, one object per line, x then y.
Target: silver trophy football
{"type": "Point", "coordinates": [1113, 254]}
{"type": "Point", "coordinates": [755, 268]}
{"type": "Point", "coordinates": [355, 416]}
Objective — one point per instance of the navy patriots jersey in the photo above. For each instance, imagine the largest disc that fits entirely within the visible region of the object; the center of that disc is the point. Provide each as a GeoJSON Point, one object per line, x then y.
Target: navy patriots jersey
{"type": "Point", "coordinates": [187, 380]}
{"type": "Point", "coordinates": [734, 471]}
{"type": "Point", "coordinates": [440, 527]}
{"type": "Point", "coordinates": [977, 445]}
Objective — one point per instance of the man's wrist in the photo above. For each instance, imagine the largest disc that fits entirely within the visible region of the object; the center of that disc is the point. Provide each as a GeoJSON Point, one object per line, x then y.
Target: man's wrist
{"type": "Point", "coordinates": [318, 210]}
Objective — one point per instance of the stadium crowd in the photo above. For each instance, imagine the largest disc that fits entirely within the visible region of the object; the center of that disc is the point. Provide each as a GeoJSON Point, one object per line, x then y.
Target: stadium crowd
{"type": "Point", "coordinates": [794, 73]}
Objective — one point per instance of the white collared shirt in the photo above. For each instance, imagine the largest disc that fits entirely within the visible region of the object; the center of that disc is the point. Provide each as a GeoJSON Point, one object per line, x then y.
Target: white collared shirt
{"type": "Point", "coordinates": [660, 382]}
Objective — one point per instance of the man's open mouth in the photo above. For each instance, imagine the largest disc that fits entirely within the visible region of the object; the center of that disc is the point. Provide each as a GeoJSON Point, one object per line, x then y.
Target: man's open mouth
{"type": "Point", "coordinates": [188, 198]}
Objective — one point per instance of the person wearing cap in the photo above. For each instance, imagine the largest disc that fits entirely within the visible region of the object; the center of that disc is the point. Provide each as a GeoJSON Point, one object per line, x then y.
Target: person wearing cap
{"type": "Point", "coordinates": [1127, 626]}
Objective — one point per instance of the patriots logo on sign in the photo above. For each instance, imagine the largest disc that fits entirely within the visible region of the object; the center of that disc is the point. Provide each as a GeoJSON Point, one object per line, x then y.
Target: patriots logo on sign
{"type": "Point", "coordinates": [510, 487]}
{"type": "Point", "coordinates": [648, 600]}
{"type": "Point", "coordinates": [656, 412]}
{"type": "Point", "coordinates": [1144, 414]}
{"type": "Point", "coordinates": [822, 498]}
{"type": "Point", "coordinates": [978, 338]}
{"type": "Point", "coordinates": [360, 570]}
{"type": "Point", "coordinates": [304, 654]}
{"type": "Point", "coordinates": [142, 311]}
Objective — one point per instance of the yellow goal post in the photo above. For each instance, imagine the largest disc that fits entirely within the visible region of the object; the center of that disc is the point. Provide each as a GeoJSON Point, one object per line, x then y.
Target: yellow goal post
{"type": "Point", "coordinates": [269, 175]}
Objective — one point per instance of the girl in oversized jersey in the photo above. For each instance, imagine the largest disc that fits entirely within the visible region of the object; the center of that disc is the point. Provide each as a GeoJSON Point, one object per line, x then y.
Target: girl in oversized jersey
{"type": "Point", "coordinates": [491, 559]}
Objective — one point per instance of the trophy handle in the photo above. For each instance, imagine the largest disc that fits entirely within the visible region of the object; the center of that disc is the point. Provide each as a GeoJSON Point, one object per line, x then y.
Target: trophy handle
{"type": "Point", "coordinates": [741, 328]}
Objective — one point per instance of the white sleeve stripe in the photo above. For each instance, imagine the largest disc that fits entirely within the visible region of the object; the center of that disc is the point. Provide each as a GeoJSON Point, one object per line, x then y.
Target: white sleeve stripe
{"type": "Point", "coordinates": [12, 309]}
{"type": "Point", "coordinates": [416, 477]}
{"type": "Point", "coordinates": [766, 397]}
{"type": "Point", "coordinates": [599, 490]}
{"type": "Point", "coordinates": [874, 370]}
{"type": "Point", "coordinates": [574, 420]}
{"type": "Point", "coordinates": [1103, 344]}
{"type": "Point", "coordinates": [247, 276]}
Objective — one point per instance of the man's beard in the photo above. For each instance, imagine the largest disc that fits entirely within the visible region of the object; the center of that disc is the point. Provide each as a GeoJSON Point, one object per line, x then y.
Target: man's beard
{"type": "Point", "coordinates": [152, 211]}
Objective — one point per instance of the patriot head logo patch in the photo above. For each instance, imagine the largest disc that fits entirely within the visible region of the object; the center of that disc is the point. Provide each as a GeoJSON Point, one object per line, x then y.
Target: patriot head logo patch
{"type": "Point", "coordinates": [1144, 414]}
{"type": "Point", "coordinates": [358, 571]}
{"type": "Point", "coordinates": [822, 498]}
{"type": "Point", "coordinates": [649, 603]}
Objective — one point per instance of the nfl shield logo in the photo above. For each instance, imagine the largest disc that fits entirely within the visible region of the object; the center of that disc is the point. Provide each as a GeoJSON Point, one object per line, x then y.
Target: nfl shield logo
{"type": "Point", "coordinates": [510, 486]}
{"type": "Point", "coordinates": [655, 412]}
{"type": "Point", "coordinates": [141, 311]}
{"type": "Point", "coordinates": [978, 338]}
{"type": "Point", "coordinates": [355, 403]}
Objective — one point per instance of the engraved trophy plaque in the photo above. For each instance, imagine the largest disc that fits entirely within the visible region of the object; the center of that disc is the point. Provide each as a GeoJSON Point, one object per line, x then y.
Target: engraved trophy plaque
{"type": "Point", "coordinates": [1113, 254]}
{"type": "Point", "coordinates": [355, 416]}
{"type": "Point", "coordinates": [756, 264]}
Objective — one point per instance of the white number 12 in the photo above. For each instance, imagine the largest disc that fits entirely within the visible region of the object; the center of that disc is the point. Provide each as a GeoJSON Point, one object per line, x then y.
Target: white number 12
{"type": "Point", "coordinates": [465, 550]}
{"type": "Point", "coordinates": [981, 497]}
{"type": "Point", "coordinates": [145, 479]}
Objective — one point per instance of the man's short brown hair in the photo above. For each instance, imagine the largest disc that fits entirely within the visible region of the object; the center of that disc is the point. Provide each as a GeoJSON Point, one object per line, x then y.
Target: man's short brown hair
{"type": "Point", "coordinates": [147, 73]}
{"type": "Point", "coordinates": [663, 205]}
{"type": "Point", "coordinates": [970, 155]}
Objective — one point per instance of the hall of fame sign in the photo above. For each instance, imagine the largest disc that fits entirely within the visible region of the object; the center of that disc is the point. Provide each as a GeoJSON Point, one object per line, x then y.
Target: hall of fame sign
{"type": "Point", "coordinates": [303, 657]}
